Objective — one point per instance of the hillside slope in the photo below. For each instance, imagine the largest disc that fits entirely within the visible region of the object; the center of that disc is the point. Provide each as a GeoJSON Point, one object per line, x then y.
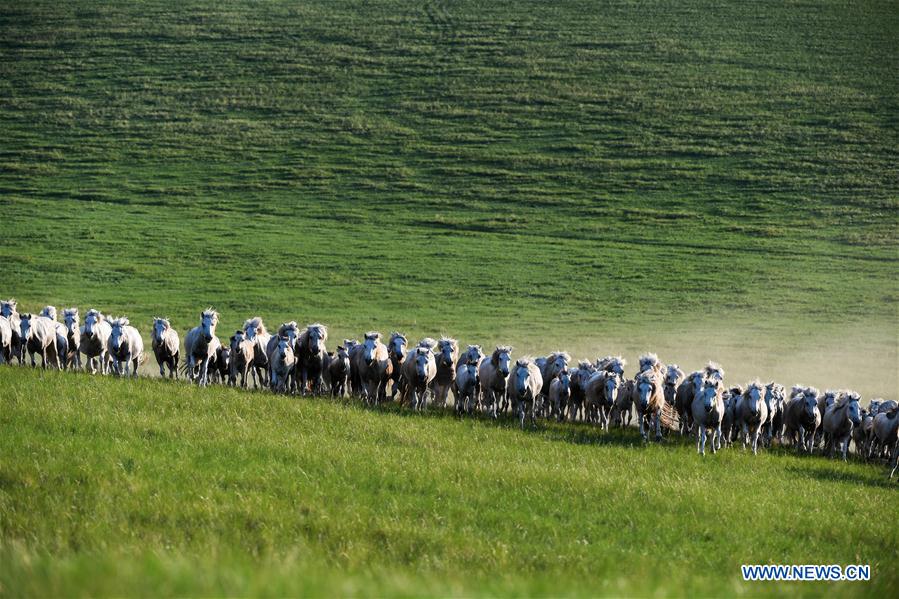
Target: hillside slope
{"type": "Point", "coordinates": [711, 181]}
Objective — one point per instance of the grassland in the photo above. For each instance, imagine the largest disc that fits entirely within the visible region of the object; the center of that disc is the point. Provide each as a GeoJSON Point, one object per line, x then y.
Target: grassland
{"type": "Point", "coordinates": [705, 179]}
{"type": "Point", "coordinates": [112, 487]}
{"type": "Point", "coordinates": [600, 177]}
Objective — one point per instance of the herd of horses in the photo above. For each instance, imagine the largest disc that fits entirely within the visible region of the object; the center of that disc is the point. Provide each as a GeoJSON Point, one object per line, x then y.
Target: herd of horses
{"type": "Point", "coordinates": [295, 360]}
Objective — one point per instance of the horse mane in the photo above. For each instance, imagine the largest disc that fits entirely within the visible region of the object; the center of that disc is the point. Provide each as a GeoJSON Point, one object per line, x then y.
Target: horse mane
{"type": "Point", "coordinates": [121, 321]}
{"type": "Point", "coordinates": [448, 341]}
{"type": "Point", "coordinates": [397, 335]}
{"type": "Point", "coordinates": [97, 313]}
{"type": "Point", "coordinates": [286, 326]}
{"type": "Point", "coordinates": [210, 312]}
{"type": "Point", "coordinates": [714, 369]}
{"type": "Point", "coordinates": [49, 312]}
{"type": "Point", "coordinates": [559, 354]}
{"type": "Point", "coordinates": [373, 335]}
{"type": "Point", "coordinates": [646, 375]}
{"type": "Point", "coordinates": [611, 363]}
{"type": "Point", "coordinates": [674, 370]}
{"type": "Point", "coordinates": [524, 361]}
{"type": "Point", "coordinates": [70, 312]}
{"type": "Point", "coordinates": [847, 397]}
{"type": "Point", "coordinates": [756, 384]}
{"type": "Point", "coordinates": [494, 357]}
{"type": "Point", "coordinates": [428, 343]}
{"type": "Point", "coordinates": [255, 322]}
{"type": "Point", "coordinates": [322, 330]}
{"type": "Point", "coordinates": [585, 364]}
{"type": "Point", "coordinates": [648, 361]}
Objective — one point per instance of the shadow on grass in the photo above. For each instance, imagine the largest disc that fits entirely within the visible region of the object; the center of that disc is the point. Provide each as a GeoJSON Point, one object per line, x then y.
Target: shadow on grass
{"type": "Point", "coordinates": [825, 474]}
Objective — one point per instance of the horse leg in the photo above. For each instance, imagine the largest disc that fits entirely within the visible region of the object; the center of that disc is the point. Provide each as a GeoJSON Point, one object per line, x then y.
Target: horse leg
{"type": "Point", "coordinates": [658, 419]}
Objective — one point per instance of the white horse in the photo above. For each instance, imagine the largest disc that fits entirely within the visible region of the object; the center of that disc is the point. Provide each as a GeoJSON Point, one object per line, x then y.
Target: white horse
{"type": "Point", "coordinates": [560, 394]}
{"type": "Point", "coordinates": [550, 367]}
{"type": "Point", "coordinates": [255, 331]}
{"type": "Point", "coordinates": [839, 421]}
{"type": "Point", "coordinates": [494, 376]}
{"type": "Point", "coordinates": [241, 359]}
{"type": "Point", "coordinates": [774, 400]}
{"type": "Point", "coordinates": [125, 346]}
{"type": "Point", "coordinates": [396, 349]}
{"type": "Point", "coordinates": [649, 396]}
{"type": "Point", "coordinates": [38, 335]}
{"type": "Point", "coordinates": [166, 346]}
{"type": "Point", "coordinates": [62, 342]}
{"type": "Point", "coordinates": [445, 379]}
{"type": "Point", "coordinates": [466, 387]}
{"type": "Point", "coordinates": [8, 311]}
{"type": "Point", "coordinates": [337, 372]}
{"type": "Point", "coordinates": [751, 414]}
{"type": "Point", "coordinates": [283, 363]}
{"type": "Point", "coordinates": [73, 337]}
{"type": "Point", "coordinates": [371, 368]}
{"type": "Point", "coordinates": [419, 369]}
{"type": "Point", "coordinates": [886, 435]}
{"type": "Point", "coordinates": [708, 409]}
{"type": "Point", "coordinates": [5, 341]}
{"type": "Point", "coordinates": [202, 346]}
{"type": "Point", "coordinates": [525, 384]}
{"type": "Point", "coordinates": [94, 336]}
{"type": "Point", "coordinates": [291, 330]}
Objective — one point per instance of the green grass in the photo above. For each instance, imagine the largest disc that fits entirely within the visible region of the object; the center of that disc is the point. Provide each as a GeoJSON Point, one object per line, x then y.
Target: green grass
{"type": "Point", "coordinates": [112, 487]}
{"type": "Point", "coordinates": [702, 179]}
{"type": "Point", "coordinates": [518, 170]}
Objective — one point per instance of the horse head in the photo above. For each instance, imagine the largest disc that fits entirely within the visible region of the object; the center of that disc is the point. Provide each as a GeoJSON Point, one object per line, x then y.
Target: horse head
{"type": "Point", "coordinates": [160, 326]}
{"type": "Point", "coordinates": [316, 334]}
{"type": "Point", "coordinates": [70, 318]}
{"type": "Point", "coordinates": [447, 351]}
{"type": "Point", "coordinates": [709, 393]}
{"type": "Point", "coordinates": [209, 319]}
{"type": "Point", "coordinates": [369, 345]}
{"type": "Point", "coordinates": [91, 320]}
{"type": "Point", "coordinates": [398, 344]}
{"type": "Point", "coordinates": [501, 359]}
{"type": "Point", "coordinates": [118, 332]}
{"type": "Point", "coordinates": [8, 308]}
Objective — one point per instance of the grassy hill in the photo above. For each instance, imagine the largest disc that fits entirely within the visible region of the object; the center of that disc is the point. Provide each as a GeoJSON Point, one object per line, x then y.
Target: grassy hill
{"type": "Point", "coordinates": [705, 180]}
{"type": "Point", "coordinates": [111, 487]}
{"type": "Point", "coordinates": [603, 177]}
